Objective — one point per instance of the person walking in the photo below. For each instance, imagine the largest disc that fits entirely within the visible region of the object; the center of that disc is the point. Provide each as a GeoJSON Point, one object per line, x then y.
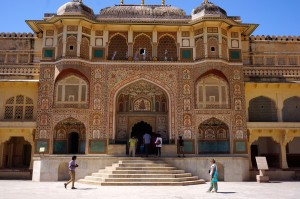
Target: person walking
{"type": "Point", "coordinates": [213, 172]}
{"type": "Point", "coordinates": [72, 167]}
{"type": "Point", "coordinates": [180, 147]}
{"type": "Point", "coordinates": [158, 143]}
{"type": "Point", "coordinates": [132, 146]}
{"type": "Point", "coordinates": [147, 141]}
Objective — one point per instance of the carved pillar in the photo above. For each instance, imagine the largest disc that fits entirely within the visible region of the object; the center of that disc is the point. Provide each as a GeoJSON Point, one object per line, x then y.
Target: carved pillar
{"type": "Point", "coordinates": [220, 43]}
{"type": "Point", "coordinates": [154, 43]}
{"type": "Point", "coordinates": [130, 42]}
{"type": "Point", "coordinates": [205, 41]}
{"type": "Point", "coordinates": [92, 44]}
{"type": "Point", "coordinates": [130, 49]}
{"type": "Point", "coordinates": [55, 43]}
{"type": "Point", "coordinates": [283, 164]}
{"type": "Point", "coordinates": [79, 38]}
{"type": "Point", "coordinates": [281, 139]}
{"type": "Point", "coordinates": [279, 109]}
{"type": "Point", "coordinates": [154, 49]}
{"type": "Point", "coordinates": [64, 41]}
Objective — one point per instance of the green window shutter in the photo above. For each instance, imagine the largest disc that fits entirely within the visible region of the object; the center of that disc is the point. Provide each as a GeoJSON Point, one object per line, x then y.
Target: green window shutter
{"type": "Point", "coordinates": [48, 53]}
{"type": "Point", "coordinates": [235, 55]}
{"type": "Point", "coordinates": [186, 54]}
{"type": "Point", "coordinates": [98, 53]}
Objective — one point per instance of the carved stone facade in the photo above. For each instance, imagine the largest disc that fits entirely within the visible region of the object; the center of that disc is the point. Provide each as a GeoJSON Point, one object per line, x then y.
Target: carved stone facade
{"type": "Point", "coordinates": [88, 85]}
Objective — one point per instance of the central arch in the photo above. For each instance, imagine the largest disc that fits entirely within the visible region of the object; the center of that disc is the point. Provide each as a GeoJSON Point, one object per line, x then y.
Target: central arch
{"type": "Point", "coordinates": [141, 101]}
{"type": "Point", "coordinates": [69, 137]}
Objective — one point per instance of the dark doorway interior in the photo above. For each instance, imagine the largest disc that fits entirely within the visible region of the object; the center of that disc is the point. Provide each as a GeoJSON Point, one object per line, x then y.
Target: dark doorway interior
{"type": "Point", "coordinates": [26, 155]}
{"type": "Point", "coordinates": [254, 153]}
{"type": "Point", "coordinates": [138, 130]}
{"type": "Point", "coordinates": [73, 142]}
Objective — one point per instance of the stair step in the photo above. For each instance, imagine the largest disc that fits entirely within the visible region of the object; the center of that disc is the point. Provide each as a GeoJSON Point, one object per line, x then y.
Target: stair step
{"type": "Point", "coordinates": [147, 171]}
{"type": "Point", "coordinates": [140, 161]}
{"type": "Point", "coordinates": [143, 165]}
{"type": "Point", "coordinates": [150, 179]}
{"type": "Point", "coordinates": [145, 168]}
{"type": "Point", "coordinates": [194, 182]}
{"type": "Point", "coordinates": [153, 183]}
{"type": "Point", "coordinates": [141, 175]}
{"type": "Point", "coordinates": [139, 172]}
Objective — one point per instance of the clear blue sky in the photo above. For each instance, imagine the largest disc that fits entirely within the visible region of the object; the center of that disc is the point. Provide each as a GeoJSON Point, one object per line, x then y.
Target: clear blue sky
{"type": "Point", "coordinates": [276, 17]}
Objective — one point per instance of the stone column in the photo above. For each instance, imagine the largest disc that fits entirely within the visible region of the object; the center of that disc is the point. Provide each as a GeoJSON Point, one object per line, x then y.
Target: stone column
{"type": "Point", "coordinates": [79, 38]}
{"type": "Point", "coordinates": [205, 42]}
{"type": "Point", "coordinates": [55, 43]}
{"type": "Point", "coordinates": [283, 160]}
{"type": "Point", "coordinates": [279, 109]}
{"type": "Point", "coordinates": [130, 49]}
{"type": "Point", "coordinates": [130, 43]}
{"type": "Point", "coordinates": [92, 44]}
{"type": "Point", "coordinates": [154, 50]}
{"type": "Point", "coordinates": [154, 43]}
{"type": "Point", "coordinates": [220, 43]}
{"type": "Point", "coordinates": [64, 41]}
{"type": "Point", "coordinates": [192, 43]}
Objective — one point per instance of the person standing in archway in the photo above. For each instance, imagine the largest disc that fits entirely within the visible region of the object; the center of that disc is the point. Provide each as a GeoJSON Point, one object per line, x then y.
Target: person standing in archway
{"type": "Point", "coordinates": [147, 141]}
{"type": "Point", "coordinates": [132, 146]}
{"type": "Point", "coordinates": [180, 147]}
{"type": "Point", "coordinates": [72, 167]}
{"type": "Point", "coordinates": [158, 143]}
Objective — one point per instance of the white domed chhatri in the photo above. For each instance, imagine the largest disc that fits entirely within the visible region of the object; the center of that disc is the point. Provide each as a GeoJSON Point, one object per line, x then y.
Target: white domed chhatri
{"type": "Point", "coordinates": [208, 9]}
{"type": "Point", "coordinates": [76, 7]}
{"type": "Point", "coordinates": [142, 11]}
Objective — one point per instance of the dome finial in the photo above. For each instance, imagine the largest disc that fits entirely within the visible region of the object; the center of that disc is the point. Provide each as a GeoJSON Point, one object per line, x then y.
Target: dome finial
{"type": "Point", "coordinates": [80, 1]}
{"type": "Point", "coordinates": [163, 2]}
{"type": "Point", "coordinates": [121, 2]}
{"type": "Point", "coordinates": [205, 1]}
{"type": "Point", "coordinates": [143, 2]}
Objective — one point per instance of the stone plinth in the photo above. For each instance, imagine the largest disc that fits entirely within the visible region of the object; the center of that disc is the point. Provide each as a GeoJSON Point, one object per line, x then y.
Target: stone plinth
{"type": "Point", "coordinates": [262, 179]}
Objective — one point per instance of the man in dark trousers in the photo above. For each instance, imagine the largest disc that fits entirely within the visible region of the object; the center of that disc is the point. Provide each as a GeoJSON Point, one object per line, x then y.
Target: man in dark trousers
{"type": "Point", "coordinates": [147, 141]}
{"type": "Point", "coordinates": [72, 167]}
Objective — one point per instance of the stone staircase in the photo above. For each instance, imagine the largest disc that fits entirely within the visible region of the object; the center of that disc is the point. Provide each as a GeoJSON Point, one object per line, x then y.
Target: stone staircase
{"type": "Point", "coordinates": [141, 172]}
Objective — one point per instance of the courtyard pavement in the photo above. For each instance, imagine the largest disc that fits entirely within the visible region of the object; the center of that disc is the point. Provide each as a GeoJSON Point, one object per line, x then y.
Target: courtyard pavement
{"type": "Point", "coordinates": [17, 189]}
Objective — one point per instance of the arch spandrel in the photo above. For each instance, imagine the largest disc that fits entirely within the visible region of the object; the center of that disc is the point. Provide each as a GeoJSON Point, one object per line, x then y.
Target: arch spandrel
{"type": "Point", "coordinates": [149, 80]}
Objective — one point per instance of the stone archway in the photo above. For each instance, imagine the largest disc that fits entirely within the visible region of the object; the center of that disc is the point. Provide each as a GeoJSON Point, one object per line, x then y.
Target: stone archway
{"type": "Point", "coordinates": [266, 146]}
{"type": "Point", "coordinates": [293, 153]}
{"type": "Point", "coordinates": [16, 153]}
{"type": "Point", "coordinates": [69, 137]}
{"type": "Point", "coordinates": [213, 137]}
{"type": "Point", "coordinates": [141, 101]}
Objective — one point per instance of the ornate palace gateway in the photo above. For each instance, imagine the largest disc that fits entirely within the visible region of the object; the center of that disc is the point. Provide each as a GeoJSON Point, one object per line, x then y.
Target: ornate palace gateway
{"type": "Point", "coordinates": [84, 83]}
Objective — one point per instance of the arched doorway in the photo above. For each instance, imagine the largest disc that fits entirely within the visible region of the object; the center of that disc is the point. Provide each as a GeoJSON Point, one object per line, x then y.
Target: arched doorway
{"type": "Point", "coordinates": [139, 102]}
{"type": "Point", "coordinates": [73, 143]}
{"type": "Point", "coordinates": [266, 146]}
{"type": "Point", "coordinates": [138, 131]}
{"type": "Point", "coordinates": [293, 153]}
{"type": "Point", "coordinates": [69, 137]}
{"type": "Point", "coordinates": [213, 137]}
{"type": "Point", "coordinates": [16, 153]}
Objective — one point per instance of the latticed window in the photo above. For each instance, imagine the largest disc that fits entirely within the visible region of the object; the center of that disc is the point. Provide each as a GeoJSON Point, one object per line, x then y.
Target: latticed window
{"type": "Point", "coordinates": [262, 109]}
{"type": "Point", "coordinates": [19, 108]}
{"type": "Point", "coordinates": [71, 90]}
{"type": "Point", "coordinates": [212, 93]}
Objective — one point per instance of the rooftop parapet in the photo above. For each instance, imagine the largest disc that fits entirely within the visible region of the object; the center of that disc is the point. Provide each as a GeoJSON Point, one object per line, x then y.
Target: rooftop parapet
{"type": "Point", "coordinates": [273, 38]}
{"type": "Point", "coordinates": [16, 35]}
